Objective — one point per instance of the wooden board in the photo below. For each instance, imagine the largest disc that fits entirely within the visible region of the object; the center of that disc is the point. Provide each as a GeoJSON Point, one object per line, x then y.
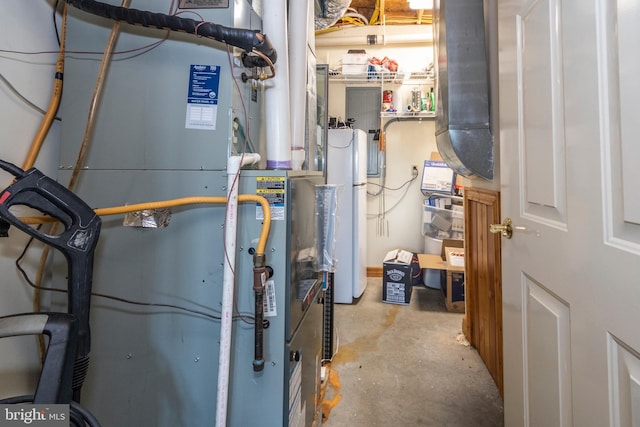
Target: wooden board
{"type": "Point", "coordinates": [482, 324]}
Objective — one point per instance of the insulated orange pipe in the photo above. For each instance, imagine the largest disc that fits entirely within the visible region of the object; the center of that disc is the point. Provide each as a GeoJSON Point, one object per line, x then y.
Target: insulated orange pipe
{"type": "Point", "coordinates": [262, 243]}
{"type": "Point", "coordinates": [266, 224]}
{"type": "Point", "coordinates": [54, 103]}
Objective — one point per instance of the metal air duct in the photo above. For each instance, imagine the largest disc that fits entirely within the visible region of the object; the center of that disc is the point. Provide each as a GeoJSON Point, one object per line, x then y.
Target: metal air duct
{"type": "Point", "coordinates": [463, 135]}
{"type": "Point", "coordinates": [327, 12]}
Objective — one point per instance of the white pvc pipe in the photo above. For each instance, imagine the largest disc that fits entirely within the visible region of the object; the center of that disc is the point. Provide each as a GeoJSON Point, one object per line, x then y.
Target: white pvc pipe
{"type": "Point", "coordinates": [396, 34]}
{"type": "Point", "coordinates": [276, 96]}
{"type": "Point", "coordinates": [234, 163]}
{"type": "Point", "coordinates": [298, 63]}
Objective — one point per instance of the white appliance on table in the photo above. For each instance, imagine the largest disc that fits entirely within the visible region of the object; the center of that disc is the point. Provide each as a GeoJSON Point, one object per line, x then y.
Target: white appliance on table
{"type": "Point", "coordinates": [347, 165]}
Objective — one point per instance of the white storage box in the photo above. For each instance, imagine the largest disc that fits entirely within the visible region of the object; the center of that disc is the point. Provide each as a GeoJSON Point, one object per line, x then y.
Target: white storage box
{"type": "Point", "coordinates": [351, 69]}
{"type": "Point", "coordinates": [355, 59]}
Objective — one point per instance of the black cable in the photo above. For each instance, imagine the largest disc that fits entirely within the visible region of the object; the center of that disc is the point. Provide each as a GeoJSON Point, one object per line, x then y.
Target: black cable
{"type": "Point", "coordinates": [22, 97]}
{"type": "Point", "coordinates": [114, 298]}
{"type": "Point", "coordinates": [11, 168]}
{"type": "Point", "coordinates": [88, 417]}
{"type": "Point", "coordinates": [55, 23]}
{"type": "Point", "coordinates": [16, 399]}
{"type": "Point", "coordinates": [76, 420]}
{"type": "Point", "coordinates": [406, 190]}
{"type": "Point", "coordinates": [409, 181]}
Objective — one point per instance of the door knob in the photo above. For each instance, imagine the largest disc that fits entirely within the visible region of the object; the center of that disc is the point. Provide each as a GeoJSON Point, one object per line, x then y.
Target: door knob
{"type": "Point", "coordinates": [506, 228]}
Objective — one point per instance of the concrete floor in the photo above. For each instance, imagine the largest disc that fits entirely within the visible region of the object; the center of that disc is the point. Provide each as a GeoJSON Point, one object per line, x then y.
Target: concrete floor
{"type": "Point", "coordinates": [400, 365]}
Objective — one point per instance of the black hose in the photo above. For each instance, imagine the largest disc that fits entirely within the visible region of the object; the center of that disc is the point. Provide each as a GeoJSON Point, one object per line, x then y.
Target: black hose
{"type": "Point", "coordinates": [11, 168]}
{"type": "Point", "coordinates": [246, 39]}
{"type": "Point", "coordinates": [76, 420]}
{"type": "Point", "coordinates": [16, 399]}
{"type": "Point", "coordinates": [80, 369]}
{"type": "Point", "coordinates": [88, 417]}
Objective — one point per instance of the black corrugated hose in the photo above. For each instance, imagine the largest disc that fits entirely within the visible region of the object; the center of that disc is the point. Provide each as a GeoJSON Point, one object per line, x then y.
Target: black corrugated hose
{"type": "Point", "coordinates": [248, 40]}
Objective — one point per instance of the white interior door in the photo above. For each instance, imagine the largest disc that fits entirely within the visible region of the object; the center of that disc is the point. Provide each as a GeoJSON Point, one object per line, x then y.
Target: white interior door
{"type": "Point", "coordinates": [570, 176]}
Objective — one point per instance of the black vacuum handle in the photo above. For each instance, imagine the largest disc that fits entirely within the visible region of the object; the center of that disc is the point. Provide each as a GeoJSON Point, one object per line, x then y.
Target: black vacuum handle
{"type": "Point", "coordinates": [54, 385]}
{"type": "Point", "coordinates": [77, 241]}
{"type": "Point", "coordinates": [32, 188]}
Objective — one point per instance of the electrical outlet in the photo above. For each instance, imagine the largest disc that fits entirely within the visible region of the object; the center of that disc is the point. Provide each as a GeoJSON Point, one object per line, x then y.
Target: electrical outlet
{"type": "Point", "coordinates": [414, 170]}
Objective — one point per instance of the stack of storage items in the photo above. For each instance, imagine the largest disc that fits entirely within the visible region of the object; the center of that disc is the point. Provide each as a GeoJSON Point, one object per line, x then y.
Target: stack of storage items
{"type": "Point", "coordinates": [442, 218]}
{"type": "Point", "coordinates": [442, 212]}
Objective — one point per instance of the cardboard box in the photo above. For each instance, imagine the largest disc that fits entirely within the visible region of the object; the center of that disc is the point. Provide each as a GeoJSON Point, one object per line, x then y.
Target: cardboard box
{"type": "Point", "coordinates": [437, 177]}
{"type": "Point", "coordinates": [396, 277]}
{"type": "Point", "coordinates": [451, 265]}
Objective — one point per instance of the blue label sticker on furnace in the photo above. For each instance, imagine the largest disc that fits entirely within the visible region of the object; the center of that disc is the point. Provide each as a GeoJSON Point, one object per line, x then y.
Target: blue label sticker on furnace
{"type": "Point", "coordinates": [202, 100]}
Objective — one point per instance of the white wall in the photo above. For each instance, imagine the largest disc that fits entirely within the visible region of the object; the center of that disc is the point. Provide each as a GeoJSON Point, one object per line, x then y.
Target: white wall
{"type": "Point", "coordinates": [407, 144]}
{"type": "Point", "coordinates": [24, 26]}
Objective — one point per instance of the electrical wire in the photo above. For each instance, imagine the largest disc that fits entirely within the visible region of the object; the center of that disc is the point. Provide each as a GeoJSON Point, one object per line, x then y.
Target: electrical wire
{"type": "Point", "coordinates": [353, 13]}
{"type": "Point", "coordinates": [260, 248]}
{"type": "Point", "coordinates": [246, 143]}
{"type": "Point", "coordinates": [385, 210]}
{"type": "Point", "coordinates": [407, 182]}
{"type": "Point", "coordinates": [173, 10]}
{"type": "Point", "coordinates": [375, 16]}
{"type": "Point", "coordinates": [55, 22]}
{"type": "Point", "coordinates": [107, 54]}
{"type": "Point", "coordinates": [106, 296]}
{"type": "Point", "coordinates": [81, 154]}
{"type": "Point", "coordinates": [22, 97]}
{"type": "Point", "coordinates": [70, 53]}
{"type": "Point", "coordinates": [212, 31]}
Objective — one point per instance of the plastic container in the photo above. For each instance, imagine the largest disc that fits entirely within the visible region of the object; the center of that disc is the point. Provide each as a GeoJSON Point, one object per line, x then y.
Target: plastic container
{"type": "Point", "coordinates": [442, 223]}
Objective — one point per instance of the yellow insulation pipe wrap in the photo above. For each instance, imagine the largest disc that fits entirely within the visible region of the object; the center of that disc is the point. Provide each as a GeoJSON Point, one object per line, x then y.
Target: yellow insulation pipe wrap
{"type": "Point", "coordinates": [194, 200]}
